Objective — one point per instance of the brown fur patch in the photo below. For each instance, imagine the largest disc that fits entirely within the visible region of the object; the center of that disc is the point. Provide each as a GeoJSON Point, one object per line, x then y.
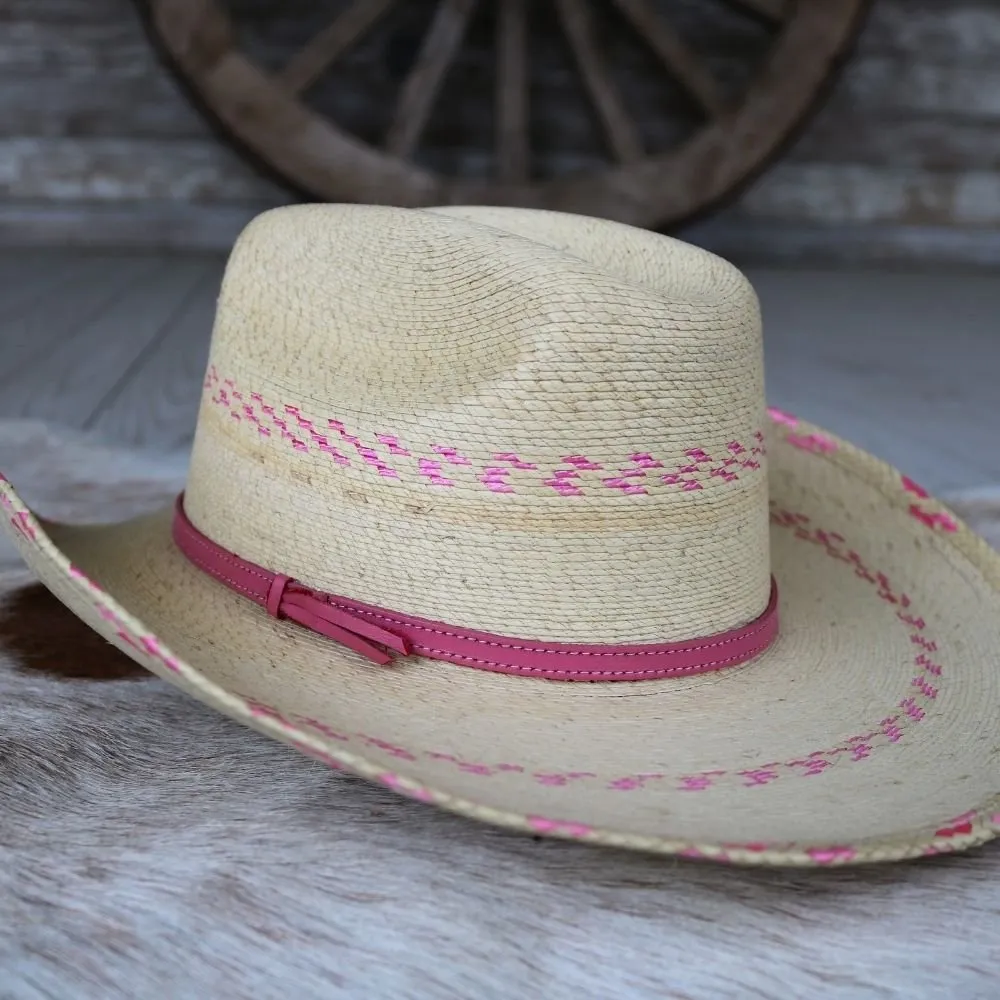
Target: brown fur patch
{"type": "Point", "coordinates": [42, 635]}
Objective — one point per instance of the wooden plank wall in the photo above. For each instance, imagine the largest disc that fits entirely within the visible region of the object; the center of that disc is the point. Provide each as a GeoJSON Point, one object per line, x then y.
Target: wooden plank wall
{"type": "Point", "coordinates": [98, 146]}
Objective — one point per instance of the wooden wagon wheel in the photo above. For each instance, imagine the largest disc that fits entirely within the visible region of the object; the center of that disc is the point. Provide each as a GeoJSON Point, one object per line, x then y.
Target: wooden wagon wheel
{"type": "Point", "coordinates": [271, 102]}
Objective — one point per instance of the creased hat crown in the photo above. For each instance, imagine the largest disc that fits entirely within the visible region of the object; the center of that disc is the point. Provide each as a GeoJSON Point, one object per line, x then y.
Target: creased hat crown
{"type": "Point", "coordinates": [522, 422]}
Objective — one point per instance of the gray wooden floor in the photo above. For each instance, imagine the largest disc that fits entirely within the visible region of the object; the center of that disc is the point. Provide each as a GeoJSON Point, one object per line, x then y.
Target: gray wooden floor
{"type": "Point", "coordinates": [906, 365]}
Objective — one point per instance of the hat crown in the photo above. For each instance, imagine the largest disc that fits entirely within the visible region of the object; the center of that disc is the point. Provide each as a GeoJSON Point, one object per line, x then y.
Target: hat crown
{"type": "Point", "coordinates": [525, 423]}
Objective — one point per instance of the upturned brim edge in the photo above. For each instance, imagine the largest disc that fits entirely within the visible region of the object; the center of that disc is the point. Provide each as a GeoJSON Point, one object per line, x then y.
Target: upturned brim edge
{"type": "Point", "coordinates": [87, 599]}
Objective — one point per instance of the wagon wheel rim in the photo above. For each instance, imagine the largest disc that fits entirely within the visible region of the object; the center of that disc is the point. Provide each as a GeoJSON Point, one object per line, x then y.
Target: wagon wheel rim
{"type": "Point", "coordinates": [300, 144]}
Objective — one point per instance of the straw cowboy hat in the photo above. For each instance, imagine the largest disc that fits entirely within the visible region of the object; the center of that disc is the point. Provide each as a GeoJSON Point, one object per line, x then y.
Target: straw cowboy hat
{"type": "Point", "coordinates": [486, 505]}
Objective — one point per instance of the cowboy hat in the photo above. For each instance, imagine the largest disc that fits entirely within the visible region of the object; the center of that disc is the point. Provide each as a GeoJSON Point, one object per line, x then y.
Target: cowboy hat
{"type": "Point", "coordinates": [486, 505]}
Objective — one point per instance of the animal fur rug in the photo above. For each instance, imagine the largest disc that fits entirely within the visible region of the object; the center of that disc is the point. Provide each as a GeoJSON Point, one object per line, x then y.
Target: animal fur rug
{"type": "Point", "coordinates": [153, 850]}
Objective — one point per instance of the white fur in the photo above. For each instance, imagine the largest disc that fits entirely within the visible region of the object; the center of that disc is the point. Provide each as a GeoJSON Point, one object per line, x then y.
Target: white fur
{"type": "Point", "coordinates": [151, 849]}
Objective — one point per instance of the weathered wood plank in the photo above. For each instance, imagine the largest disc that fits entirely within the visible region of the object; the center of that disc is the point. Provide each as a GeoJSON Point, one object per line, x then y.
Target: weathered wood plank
{"type": "Point", "coordinates": [70, 12]}
{"type": "Point", "coordinates": [706, 26]}
{"type": "Point", "coordinates": [876, 100]}
{"type": "Point", "coordinates": [104, 78]}
{"type": "Point", "coordinates": [177, 226]}
{"type": "Point", "coordinates": [935, 30]}
{"type": "Point", "coordinates": [833, 193]}
{"type": "Point", "coordinates": [926, 342]}
{"type": "Point", "coordinates": [945, 30]}
{"type": "Point", "coordinates": [151, 225]}
{"type": "Point", "coordinates": [101, 77]}
{"type": "Point", "coordinates": [69, 384]}
{"type": "Point", "coordinates": [111, 43]}
{"type": "Point", "coordinates": [908, 143]}
{"type": "Point", "coordinates": [881, 84]}
{"type": "Point", "coordinates": [88, 291]}
{"type": "Point", "coordinates": [117, 46]}
{"type": "Point", "coordinates": [101, 106]}
{"type": "Point", "coordinates": [27, 276]}
{"type": "Point", "coordinates": [205, 169]}
{"type": "Point", "coordinates": [107, 35]}
{"type": "Point", "coordinates": [750, 242]}
{"type": "Point", "coordinates": [156, 407]}
{"type": "Point", "coordinates": [110, 169]}
{"type": "Point", "coordinates": [930, 142]}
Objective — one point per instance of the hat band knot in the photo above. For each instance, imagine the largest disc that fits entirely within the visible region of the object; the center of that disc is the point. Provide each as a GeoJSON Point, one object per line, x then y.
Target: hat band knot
{"type": "Point", "coordinates": [373, 631]}
{"type": "Point", "coordinates": [313, 610]}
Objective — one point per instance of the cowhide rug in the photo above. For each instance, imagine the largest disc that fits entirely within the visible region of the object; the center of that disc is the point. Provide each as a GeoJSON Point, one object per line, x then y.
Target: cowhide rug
{"type": "Point", "coordinates": [153, 850]}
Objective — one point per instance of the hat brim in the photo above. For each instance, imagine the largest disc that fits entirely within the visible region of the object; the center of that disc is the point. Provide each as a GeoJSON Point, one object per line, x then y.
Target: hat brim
{"type": "Point", "coordinates": [867, 732]}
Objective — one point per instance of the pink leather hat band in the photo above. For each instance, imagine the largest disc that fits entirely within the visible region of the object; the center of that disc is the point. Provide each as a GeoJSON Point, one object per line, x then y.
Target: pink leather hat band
{"type": "Point", "coordinates": [377, 633]}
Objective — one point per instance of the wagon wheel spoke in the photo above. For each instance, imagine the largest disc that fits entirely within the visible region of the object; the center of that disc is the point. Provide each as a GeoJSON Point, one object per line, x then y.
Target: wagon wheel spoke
{"type": "Point", "coordinates": [324, 147]}
{"type": "Point", "coordinates": [622, 134]}
{"type": "Point", "coordinates": [512, 91]}
{"type": "Point", "coordinates": [312, 61]}
{"type": "Point", "coordinates": [421, 87]}
{"type": "Point", "coordinates": [775, 10]}
{"type": "Point", "coordinates": [679, 61]}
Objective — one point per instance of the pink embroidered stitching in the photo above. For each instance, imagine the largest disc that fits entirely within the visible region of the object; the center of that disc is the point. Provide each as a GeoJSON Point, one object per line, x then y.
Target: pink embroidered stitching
{"type": "Point", "coordinates": [858, 747]}
{"type": "Point", "coordinates": [20, 521]}
{"type": "Point", "coordinates": [821, 444]}
{"type": "Point", "coordinates": [932, 519]}
{"type": "Point", "coordinates": [395, 782]}
{"type": "Point", "coordinates": [781, 417]}
{"type": "Point", "coordinates": [638, 477]}
{"type": "Point", "coordinates": [815, 442]}
{"type": "Point", "coordinates": [913, 707]}
{"type": "Point", "coordinates": [960, 826]}
{"type": "Point", "coordinates": [891, 729]}
{"type": "Point", "coordinates": [559, 826]}
{"type": "Point", "coordinates": [494, 477]}
{"type": "Point", "coordinates": [634, 781]}
{"type": "Point", "coordinates": [831, 855]}
{"type": "Point", "coordinates": [148, 645]}
{"type": "Point", "coordinates": [555, 779]}
{"type": "Point", "coordinates": [78, 574]}
{"type": "Point", "coordinates": [432, 470]}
